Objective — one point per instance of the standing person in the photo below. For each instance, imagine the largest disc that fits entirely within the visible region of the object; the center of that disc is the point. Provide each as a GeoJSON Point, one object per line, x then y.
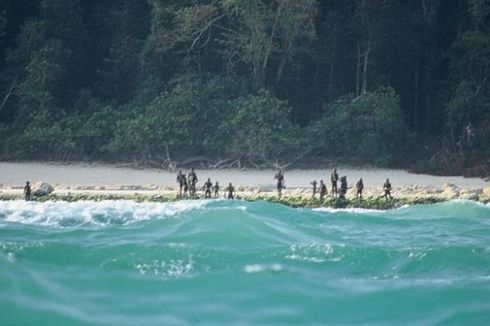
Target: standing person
{"type": "Point", "coordinates": [359, 188]}
{"type": "Point", "coordinates": [216, 190]}
{"type": "Point", "coordinates": [343, 187]}
{"type": "Point", "coordinates": [180, 181]}
{"type": "Point", "coordinates": [192, 180]}
{"type": "Point", "coordinates": [387, 189]}
{"type": "Point", "coordinates": [323, 190]}
{"type": "Point", "coordinates": [186, 185]}
{"type": "Point", "coordinates": [207, 188]}
{"type": "Point", "coordinates": [27, 191]}
{"type": "Point", "coordinates": [334, 177]}
{"type": "Point", "coordinates": [280, 183]}
{"type": "Point", "coordinates": [313, 183]}
{"type": "Point", "coordinates": [230, 191]}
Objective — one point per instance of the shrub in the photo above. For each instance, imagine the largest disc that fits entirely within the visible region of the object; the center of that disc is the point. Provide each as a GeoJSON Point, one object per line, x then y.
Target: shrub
{"type": "Point", "coordinates": [369, 127]}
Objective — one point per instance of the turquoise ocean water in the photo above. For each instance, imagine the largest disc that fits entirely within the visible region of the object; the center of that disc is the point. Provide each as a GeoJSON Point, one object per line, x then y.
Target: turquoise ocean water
{"type": "Point", "coordinates": [233, 262]}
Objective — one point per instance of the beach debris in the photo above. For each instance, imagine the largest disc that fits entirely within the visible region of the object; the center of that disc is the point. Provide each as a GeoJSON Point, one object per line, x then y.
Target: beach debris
{"type": "Point", "coordinates": [42, 189]}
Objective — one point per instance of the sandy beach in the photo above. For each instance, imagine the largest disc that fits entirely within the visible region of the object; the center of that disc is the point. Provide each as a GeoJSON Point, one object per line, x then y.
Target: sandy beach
{"type": "Point", "coordinates": [76, 178]}
{"type": "Point", "coordinates": [88, 175]}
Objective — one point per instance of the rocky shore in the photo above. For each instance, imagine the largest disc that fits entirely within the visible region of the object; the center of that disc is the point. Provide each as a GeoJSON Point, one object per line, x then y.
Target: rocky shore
{"type": "Point", "coordinates": [294, 197]}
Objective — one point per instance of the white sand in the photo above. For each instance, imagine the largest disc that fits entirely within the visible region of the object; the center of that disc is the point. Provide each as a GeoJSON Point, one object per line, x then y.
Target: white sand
{"type": "Point", "coordinates": [87, 175]}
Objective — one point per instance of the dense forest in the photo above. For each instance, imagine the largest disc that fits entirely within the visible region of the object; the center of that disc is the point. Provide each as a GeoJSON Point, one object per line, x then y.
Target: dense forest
{"type": "Point", "coordinates": [247, 82]}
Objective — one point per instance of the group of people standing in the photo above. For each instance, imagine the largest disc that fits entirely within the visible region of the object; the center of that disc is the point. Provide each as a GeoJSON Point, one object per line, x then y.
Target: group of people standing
{"type": "Point", "coordinates": [340, 193]}
{"type": "Point", "coordinates": [335, 191]}
{"type": "Point", "coordinates": [187, 186]}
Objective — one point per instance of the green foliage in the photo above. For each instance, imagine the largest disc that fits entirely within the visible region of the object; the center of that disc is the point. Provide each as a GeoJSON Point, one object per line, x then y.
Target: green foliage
{"type": "Point", "coordinates": [206, 117]}
{"type": "Point", "coordinates": [255, 81]}
{"type": "Point", "coordinates": [470, 105]}
{"type": "Point", "coordinates": [259, 129]}
{"type": "Point", "coordinates": [369, 127]}
{"type": "Point", "coordinates": [44, 71]}
{"type": "Point", "coordinates": [46, 136]}
{"type": "Point", "coordinates": [185, 120]}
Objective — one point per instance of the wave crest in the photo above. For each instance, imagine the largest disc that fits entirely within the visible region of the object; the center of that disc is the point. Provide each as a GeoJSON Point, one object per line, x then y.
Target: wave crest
{"type": "Point", "coordinates": [86, 213]}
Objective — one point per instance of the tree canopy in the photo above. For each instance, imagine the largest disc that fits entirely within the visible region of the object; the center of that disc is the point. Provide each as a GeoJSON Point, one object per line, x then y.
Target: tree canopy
{"type": "Point", "coordinates": [255, 82]}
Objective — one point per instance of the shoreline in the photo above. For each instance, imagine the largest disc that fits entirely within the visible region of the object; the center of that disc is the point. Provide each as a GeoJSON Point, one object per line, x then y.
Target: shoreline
{"type": "Point", "coordinates": [105, 182]}
{"type": "Point", "coordinates": [295, 198]}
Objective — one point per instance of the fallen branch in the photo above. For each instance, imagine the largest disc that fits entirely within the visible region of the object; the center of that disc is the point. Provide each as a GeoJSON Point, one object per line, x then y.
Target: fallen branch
{"type": "Point", "coordinates": [219, 163]}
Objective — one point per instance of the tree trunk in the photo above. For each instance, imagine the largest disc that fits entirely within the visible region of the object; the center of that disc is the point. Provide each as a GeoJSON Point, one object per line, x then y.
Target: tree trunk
{"type": "Point", "coordinates": [282, 63]}
{"type": "Point", "coordinates": [358, 67]}
{"type": "Point", "coordinates": [271, 39]}
{"type": "Point", "coordinates": [330, 78]}
{"type": "Point", "coordinates": [430, 13]}
{"type": "Point", "coordinates": [416, 93]}
{"type": "Point", "coordinates": [365, 68]}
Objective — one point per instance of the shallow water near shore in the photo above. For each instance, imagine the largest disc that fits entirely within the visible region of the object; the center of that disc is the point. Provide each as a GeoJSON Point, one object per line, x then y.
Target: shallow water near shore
{"type": "Point", "coordinates": [227, 262]}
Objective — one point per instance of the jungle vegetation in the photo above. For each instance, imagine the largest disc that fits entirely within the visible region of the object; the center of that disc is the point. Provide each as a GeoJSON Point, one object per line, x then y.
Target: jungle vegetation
{"type": "Point", "coordinates": [247, 83]}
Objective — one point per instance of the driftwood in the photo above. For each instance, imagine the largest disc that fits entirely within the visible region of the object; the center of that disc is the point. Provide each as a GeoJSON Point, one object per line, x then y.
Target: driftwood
{"type": "Point", "coordinates": [164, 161]}
{"type": "Point", "coordinates": [195, 159]}
{"type": "Point", "coordinates": [219, 163]}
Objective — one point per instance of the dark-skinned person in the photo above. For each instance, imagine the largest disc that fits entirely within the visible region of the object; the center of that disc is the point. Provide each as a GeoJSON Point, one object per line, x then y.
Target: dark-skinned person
{"type": "Point", "coordinates": [192, 181]}
{"type": "Point", "coordinates": [359, 188]}
{"type": "Point", "coordinates": [207, 188]}
{"type": "Point", "coordinates": [279, 177]}
{"type": "Point", "coordinates": [323, 190]}
{"type": "Point", "coordinates": [387, 189]}
{"type": "Point", "coordinates": [186, 185]}
{"type": "Point", "coordinates": [314, 183]}
{"type": "Point", "coordinates": [334, 178]}
{"type": "Point", "coordinates": [343, 187]}
{"type": "Point", "coordinates": [230, 191]}
{"type": "Point", "coordinates": [27, 191]}
{"type": "Point", "coordinates": [181, 181]}
{"type": "Point", "coordinates": [216, 190]}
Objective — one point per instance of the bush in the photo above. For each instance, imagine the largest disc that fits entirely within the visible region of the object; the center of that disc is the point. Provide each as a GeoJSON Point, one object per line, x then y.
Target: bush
{"type": "Point", "coordinates": [470, 105]}
{"type": "Point", "coordinates": [185, 120]}
{"type": "Point", "coordinates": [259, 129]}
{"type": "Point", "coordinates": [46, 136]}
{"type": "Point", "coordinates": [369, 127]}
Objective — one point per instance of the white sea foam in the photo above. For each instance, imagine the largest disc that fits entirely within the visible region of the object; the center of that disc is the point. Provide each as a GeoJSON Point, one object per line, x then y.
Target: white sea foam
{"type": "Point", "coordinates": [353, 210]}
{"type": "Point", "coordinates": [258, 268]}
{"type": "Point", "coordinates": [313, 252]}
{"type": "Point", "coordinates": [174, 268]}
{"type": "Point", "coordinates": [64, 214]}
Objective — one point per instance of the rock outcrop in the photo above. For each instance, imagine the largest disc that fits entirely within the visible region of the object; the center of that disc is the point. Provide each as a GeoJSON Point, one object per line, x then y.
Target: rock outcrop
{"type": "Point", "coordinates": [450, 191]}
{"type": "Point", "coordinates": [42, 189]}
